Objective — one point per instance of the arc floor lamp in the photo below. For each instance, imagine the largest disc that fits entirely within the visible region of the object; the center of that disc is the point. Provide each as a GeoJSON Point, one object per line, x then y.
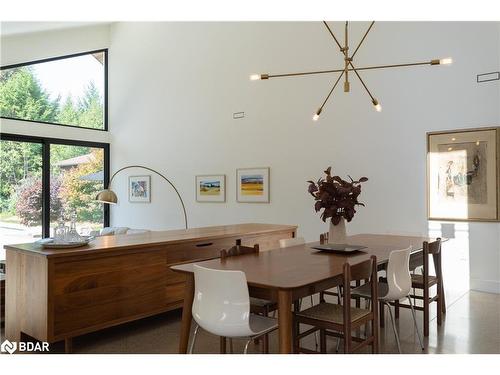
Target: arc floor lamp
{"type": "Point", "coordinates": [108, 196]}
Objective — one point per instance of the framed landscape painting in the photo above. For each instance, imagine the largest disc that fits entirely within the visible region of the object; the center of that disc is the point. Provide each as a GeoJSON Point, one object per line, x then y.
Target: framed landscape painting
{"type": "Point", "coordinates": [463, 175]}
{"type": "Point", "coordinates": [139, 189]}
{"type": "Point", "coordinates": [211, 188]}
{"type": "Point", "coordinates": [252, 185]}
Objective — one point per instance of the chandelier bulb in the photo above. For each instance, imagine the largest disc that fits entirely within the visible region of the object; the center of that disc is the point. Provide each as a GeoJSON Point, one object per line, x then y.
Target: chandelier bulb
{"type": "Point", "coordinates": [257, 77]}
{"type": "Point", "coordinates": [377, 105]}
{"type": "Point", "coordinates": [446, 61]}
{"type": "Point", "coordinates": [316, 115]}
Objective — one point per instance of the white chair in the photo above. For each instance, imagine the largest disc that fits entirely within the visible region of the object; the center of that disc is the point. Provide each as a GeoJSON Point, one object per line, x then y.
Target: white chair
{"type": "Point", "coordinates": [221, 306]}
{"type": "Point", "coordinates": [398, 287]}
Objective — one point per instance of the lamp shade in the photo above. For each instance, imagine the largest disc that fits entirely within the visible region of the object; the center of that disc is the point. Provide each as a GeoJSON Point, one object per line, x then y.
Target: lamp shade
{"type": "Point", "coordinates": [107, 196]}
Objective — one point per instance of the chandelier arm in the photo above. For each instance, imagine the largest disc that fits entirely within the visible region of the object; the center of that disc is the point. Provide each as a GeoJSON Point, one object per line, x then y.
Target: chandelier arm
{"type": "Point", "coordinates": [393, 66]}
{"type": "Point", "coordinates": [362, 39]}
{"type": "Point", "coordinates": [341, 70]}
{"type": "Point", "coordinates": [333, 35]}
{"type": "Point", "coordinates": [346, 56]}
{"type": "Point", "coordinates": [305, 73]}
{"type": "Point", "coordinates": [331, 91]}
{"type": "Point", "coordinates": [362, 82]}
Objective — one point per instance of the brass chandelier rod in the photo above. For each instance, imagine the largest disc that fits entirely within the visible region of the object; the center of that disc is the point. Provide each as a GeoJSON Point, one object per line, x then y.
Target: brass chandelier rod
{"type": "Point", "coordinates": [377, 106]}
{"type": "Point", "coordinates": [318, 112]}
{"type": "Point", "coordinates": [333, 35]}
{"type": "Point", "coordinates": [349, 67]}
{"type": "Point", "coordinates": [374, 67]}
{"type": "Point", "coordinates": [362, 39]}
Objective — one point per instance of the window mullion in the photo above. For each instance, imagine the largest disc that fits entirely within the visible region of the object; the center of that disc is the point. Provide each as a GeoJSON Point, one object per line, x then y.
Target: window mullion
{"type": "Point", "coordinates": [46, 189]}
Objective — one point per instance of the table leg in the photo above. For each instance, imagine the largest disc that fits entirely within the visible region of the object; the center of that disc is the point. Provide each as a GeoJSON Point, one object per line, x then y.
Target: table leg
{"type": "Point", "coordinates": [285, 320]}
{"type": "Point", "coordinates": [186, 314]}
{"type": "Point", "coordinates": [68, 345]}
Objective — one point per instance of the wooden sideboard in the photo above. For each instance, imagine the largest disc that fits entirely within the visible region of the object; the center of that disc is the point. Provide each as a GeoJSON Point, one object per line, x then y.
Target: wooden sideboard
{"type": "Point", "coordinates": [54, 295]}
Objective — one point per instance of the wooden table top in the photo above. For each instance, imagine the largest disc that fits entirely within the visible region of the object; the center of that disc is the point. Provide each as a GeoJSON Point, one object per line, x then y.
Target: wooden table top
{"type": "Point", "coordinates": [298, 266]}
{"type": "Point", "coordinates": [154, 238]}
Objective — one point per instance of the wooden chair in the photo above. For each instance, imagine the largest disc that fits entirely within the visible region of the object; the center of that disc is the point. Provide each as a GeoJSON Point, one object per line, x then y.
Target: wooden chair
{"type": "Point", "coordinates": [425, 281]}
{"type": "Point", "coordinates": [257, 305]}
{"type": "Point", "coordinates": [340, 320]}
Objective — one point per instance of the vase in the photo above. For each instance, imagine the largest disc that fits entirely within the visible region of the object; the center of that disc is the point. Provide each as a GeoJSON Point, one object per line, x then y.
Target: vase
{"type": "Point", "coordinates": [337, 233]}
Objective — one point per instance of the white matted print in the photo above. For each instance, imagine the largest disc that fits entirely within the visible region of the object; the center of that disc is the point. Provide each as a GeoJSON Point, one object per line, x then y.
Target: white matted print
{"type": "Point", "coordinates": [252, 185]}
{"type": "Point", "coordinates": [139, 189]}
{"type": "Point", "coordinates": [211, 188]}
{"type": "Point", "coordinates": [463, 174]}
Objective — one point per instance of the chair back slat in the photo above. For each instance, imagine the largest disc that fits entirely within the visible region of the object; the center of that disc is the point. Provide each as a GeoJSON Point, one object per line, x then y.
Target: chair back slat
{"type": "Point", "coordinates": [416, 260]}
{"type": "Point", "coordinates": [434, 247]}
{"type": "Point", "coordinates": [239, 250]}
{"type": "Point", "coordinates": [361, 271]}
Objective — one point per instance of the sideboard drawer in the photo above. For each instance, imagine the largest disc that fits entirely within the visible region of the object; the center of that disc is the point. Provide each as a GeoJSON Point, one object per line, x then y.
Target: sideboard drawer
{"type": "Point", "coordinates": [199, 250]}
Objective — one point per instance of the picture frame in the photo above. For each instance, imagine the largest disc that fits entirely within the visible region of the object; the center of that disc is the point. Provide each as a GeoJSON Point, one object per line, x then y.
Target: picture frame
{"type": "Point", "coordinates": [210, 188]}
{"type": "Point", "coordinates": [463, 175]}
{"type": "Point", "coordinates": [139, 189]}
{"type": "Point", "coordinates": [253, 185]}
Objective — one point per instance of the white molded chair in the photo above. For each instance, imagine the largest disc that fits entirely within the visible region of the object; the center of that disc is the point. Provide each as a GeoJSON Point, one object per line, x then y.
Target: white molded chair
{"type": "Point", "coordinates": [221, 306]}
{"type": "Point", "coordinates": [398, 286]}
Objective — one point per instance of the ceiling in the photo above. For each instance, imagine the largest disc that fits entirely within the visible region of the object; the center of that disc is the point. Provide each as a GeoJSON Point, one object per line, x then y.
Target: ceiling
{"type": "Point", "coordinates": [14, 28]}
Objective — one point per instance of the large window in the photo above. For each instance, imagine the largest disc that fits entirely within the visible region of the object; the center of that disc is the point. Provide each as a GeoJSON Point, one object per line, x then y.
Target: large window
{"type": "Point", "coordinates": [69, 90]}
{"type": "Point", "coordinates": [43, 180]}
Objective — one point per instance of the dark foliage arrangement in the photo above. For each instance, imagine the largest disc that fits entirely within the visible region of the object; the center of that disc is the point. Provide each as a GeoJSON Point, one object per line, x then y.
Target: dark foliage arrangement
{"type": "Point", "coordinates": [337, 197]}
{"type": "Point", "coordinates": [29, 201]}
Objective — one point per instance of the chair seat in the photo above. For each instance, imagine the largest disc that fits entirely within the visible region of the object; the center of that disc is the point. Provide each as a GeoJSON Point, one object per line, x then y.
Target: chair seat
{"type": "Point", "coordinates": [260, 302]}
{"type": "Point", "coordinates": [417, 281]}
{"type": "Point", "coordinates": [365, 291]}
{"type": "Point", "coordinates": [333, 313]}
{"type": "Point", "coordinates": [261, 325]}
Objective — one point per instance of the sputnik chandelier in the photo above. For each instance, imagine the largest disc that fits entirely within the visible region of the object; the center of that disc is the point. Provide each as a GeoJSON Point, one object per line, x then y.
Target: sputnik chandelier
{"type": "Point", "coordinates": [348, 68]}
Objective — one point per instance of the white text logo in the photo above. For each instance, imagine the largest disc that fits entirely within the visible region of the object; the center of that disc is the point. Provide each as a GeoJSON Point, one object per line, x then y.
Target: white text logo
{"type": "Point", "coordinates": [11, 347]}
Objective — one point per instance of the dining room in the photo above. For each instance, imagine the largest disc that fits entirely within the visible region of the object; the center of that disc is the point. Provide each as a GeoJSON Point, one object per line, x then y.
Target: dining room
{"type": "Point", "coordinates": [232, 188]}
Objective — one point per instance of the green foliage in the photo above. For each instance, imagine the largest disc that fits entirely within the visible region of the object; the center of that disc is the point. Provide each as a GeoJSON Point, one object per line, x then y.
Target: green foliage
{"type": "Point", "coordinates": [29, 201]}
{"type": "Point", "coordinates": [18, 161]}
{"type": "Point", "coordinates": [21, 96]}
{"type": "Point", "coordinates": [78, 194]}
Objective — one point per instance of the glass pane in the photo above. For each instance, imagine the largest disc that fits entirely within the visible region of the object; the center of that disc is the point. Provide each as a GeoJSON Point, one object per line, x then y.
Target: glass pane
{"type": "Point", "coordinates": [68, 91]}
{"type": "Point", "coordinates": [76, 176]}
{"type": "Point", "coordinates": [20, 193]}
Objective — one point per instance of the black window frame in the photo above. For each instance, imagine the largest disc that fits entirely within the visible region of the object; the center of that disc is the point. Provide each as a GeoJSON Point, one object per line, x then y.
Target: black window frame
{"type": "Point", "coordinates": [46, 142]}
{"type": "Point", "coordinates": [105, 50]}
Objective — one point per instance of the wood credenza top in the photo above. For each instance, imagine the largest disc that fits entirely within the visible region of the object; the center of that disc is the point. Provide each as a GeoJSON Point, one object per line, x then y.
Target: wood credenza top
{"type": "Point", "coordinates": [155, 238]}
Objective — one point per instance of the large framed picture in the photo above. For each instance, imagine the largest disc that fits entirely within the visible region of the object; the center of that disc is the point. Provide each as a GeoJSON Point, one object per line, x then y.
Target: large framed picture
{"type": "Point", "coordinates": [252, 185]}
{"type": "Point", "coordinates": [463, 175]}
{"type": "Point", "coordinates": [139, 189]}
{"type": "Point", "coordinates": [211, 188]}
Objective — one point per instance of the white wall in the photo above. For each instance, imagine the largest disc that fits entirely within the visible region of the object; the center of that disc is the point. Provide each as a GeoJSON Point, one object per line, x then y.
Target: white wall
{"type": "Point", "coordinates": [174, 87]}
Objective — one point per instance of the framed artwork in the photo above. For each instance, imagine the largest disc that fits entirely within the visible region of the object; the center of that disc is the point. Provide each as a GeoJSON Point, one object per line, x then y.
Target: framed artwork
{"type": "Point", "coordinates": [139, 189]}
{"type": "Point", "coordinates": [463, 175]}
{"type": "Point", "coordinates": [252, 185]}
{"type": "Point", "coordinates": [211, 188]}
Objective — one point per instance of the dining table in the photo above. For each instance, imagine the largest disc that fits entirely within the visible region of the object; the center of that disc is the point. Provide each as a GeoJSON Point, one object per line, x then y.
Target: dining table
{"type": "Point", "coordinates": [286, 275]}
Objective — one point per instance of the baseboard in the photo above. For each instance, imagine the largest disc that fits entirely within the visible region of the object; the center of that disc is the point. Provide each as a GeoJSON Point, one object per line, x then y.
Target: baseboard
{"type": "Point", "coordinates": [489, 286]}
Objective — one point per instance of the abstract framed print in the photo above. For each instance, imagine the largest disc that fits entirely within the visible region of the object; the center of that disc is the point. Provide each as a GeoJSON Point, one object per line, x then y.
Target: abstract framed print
{"type": "Point", "coordinates": [211, 188]}
{"type": "Point", "coordinates": [252, 185]}
{"type": "Point", "coordinates": [139, 189]}
{"type": "Point", "coordinates": [463, 174]}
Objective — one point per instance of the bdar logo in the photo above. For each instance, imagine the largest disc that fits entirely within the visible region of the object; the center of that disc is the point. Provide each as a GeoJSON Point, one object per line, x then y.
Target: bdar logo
{"type": "Point", "coordinates": [8, 347]}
